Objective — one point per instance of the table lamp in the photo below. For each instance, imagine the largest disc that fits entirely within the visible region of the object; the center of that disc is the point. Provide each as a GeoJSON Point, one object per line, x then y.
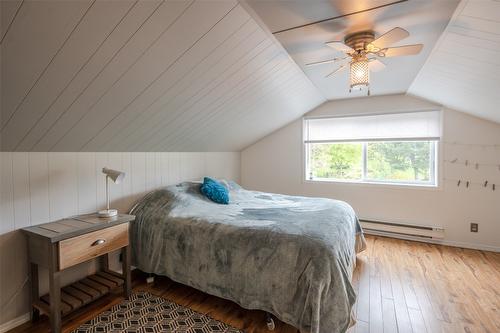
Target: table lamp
{"type": "Point", "coordinates": [116, 177]}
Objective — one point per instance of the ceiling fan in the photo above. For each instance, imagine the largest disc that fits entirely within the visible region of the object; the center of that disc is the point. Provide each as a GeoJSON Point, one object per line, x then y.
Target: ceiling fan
{"type": "Point", "coordinates": [361, 52]}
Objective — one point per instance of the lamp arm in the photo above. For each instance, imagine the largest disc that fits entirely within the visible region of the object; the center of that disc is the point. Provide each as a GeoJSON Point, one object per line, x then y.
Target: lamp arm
{"type": "Point", "coordinates": [107, 193]}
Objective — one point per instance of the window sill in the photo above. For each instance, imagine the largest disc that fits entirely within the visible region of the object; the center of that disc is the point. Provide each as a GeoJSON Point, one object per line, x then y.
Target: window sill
{"type": "Point", "coordinates": [428, 187]}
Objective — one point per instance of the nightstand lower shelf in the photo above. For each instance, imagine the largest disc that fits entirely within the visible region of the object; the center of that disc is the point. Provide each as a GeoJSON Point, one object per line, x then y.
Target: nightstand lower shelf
{"type": "Point", "coordinates": [82, 292]}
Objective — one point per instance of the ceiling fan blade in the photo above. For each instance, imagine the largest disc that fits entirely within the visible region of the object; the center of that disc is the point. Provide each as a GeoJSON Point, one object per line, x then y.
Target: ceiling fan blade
{"type": "Point", "coordinates": [337, 70]}
{"type": "Point", "coordinates": [329, 61]}
{"type": "Point", "coordinates": [376, 65]}
{"type": "Point", "coordinates": [390, 37]}
{"type": "Point", "coordinates": [403, 50]}
{"type": "Point", "coordinates": [340, 46]}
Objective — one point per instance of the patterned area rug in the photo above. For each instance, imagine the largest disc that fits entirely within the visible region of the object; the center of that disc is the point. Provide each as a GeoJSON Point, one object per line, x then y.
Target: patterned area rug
{"type": "Point", "coordinates": [145, 313]}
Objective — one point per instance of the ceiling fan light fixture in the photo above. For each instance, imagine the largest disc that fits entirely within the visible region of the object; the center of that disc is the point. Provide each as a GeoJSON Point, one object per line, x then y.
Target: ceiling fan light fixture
{"type": "Point", "coordinates": [358, 46]}
{"type": "Point", "coordinates": [360, 73]}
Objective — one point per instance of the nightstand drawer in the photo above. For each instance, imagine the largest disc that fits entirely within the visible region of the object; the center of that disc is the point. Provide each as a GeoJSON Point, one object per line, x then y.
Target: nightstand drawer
{"type": "Point", "coordinates": [78, 249]}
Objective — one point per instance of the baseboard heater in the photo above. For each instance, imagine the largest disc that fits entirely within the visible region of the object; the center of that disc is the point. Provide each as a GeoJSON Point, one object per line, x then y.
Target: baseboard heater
{"type": "Point", "coordinates": [395, 229]}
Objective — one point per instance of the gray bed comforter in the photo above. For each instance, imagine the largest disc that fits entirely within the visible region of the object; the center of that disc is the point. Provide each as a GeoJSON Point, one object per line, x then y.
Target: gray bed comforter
{"type": "Point", "coordinates": [287, 255]}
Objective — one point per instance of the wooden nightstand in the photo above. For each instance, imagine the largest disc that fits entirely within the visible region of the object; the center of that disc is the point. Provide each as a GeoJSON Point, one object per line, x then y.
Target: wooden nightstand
{"type": "Point", "coordinates": [68, 242]}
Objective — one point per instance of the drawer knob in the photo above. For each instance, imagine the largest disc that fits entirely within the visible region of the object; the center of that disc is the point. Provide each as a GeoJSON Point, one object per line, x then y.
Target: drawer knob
{"type": "Point", "coordinates": [98, 242]}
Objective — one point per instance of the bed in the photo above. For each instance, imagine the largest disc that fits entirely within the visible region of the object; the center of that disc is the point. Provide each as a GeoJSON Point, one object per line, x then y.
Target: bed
{"type": "Point", "coordinates": [290, 256]}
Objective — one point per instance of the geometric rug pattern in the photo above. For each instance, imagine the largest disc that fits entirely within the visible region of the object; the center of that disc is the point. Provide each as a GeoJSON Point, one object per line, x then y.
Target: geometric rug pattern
{"type": "Point", "coordinates": [146, 313]}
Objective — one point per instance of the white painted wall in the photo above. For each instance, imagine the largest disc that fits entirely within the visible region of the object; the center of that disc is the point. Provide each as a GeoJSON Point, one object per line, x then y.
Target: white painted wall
{"type": "Point", "coordinates": [42, 187]}
{"type": "Point", "coordinates": [275, 164]}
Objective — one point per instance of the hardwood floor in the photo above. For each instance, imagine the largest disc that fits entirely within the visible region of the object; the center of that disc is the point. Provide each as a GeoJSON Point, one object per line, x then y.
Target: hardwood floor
{"type": "Point", "coordinates": [402, 286]}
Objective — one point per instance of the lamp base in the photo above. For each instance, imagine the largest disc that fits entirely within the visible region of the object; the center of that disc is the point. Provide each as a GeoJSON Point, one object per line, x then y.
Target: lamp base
{"type": "Point", "coordinates": [107, 213]}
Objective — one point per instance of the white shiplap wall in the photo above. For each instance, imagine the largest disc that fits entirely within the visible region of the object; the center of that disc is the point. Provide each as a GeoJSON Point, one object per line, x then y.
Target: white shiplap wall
{"type": "Point", "coordinates": [41, 187]}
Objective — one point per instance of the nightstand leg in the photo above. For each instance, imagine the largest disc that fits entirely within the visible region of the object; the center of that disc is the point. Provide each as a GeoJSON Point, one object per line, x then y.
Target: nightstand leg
{"type": "Point", "coordinates": [127, 285]}
{"type": "Point", "coordinates": [35, 294]}
{"type": "Point", "coordinates": [54, 291]}
{"type": "Point", "coordinates": [105, 262]}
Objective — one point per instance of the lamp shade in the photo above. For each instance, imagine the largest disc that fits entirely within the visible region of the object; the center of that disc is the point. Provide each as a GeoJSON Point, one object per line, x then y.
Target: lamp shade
{"type": "Point", "coordinates": [115, 175]}
{"type": "Point", "coordinates": [360, 73]}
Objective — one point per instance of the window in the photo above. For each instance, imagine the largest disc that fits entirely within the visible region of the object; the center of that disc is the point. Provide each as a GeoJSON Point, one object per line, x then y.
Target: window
{"type": "Point", "coordinates": [392, 149]}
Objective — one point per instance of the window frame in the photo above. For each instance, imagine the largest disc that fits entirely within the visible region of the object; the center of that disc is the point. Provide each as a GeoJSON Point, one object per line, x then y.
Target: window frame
{"type": "Point", "coordinates": [431, 185]}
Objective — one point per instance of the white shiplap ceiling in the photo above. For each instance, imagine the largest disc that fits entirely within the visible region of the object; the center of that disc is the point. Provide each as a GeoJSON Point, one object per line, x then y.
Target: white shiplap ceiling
{"type": "Point", "coordinates": [142, 76]}
{"type": "Point", "coordinates": [154, 75]}
{"type": "Point", "coordinates": [458, 67]}
{"type": "Point", "coordinates": [463, 70]}
{"type": "Point", "coordinates": [424, 19]}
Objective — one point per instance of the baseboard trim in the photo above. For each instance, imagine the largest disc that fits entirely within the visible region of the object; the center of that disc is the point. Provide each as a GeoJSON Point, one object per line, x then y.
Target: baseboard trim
{"type": "Point", "coordinates": [15, 322]}
{"type": "Point", "coordinates": [437, 241]}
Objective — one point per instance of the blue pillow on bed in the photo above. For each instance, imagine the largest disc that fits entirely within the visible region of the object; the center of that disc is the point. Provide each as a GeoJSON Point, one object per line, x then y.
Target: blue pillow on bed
{"type": "Point", "coordinates": [215, 191]}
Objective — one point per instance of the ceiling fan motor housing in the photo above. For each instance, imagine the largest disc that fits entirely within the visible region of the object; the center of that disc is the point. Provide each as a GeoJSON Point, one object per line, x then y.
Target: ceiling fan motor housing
{"type": "Point", "coordinates": [359, 40]}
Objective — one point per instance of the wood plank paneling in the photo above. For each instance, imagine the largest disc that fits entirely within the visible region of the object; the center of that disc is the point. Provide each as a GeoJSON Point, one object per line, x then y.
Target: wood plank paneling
{"type": "Point", "coordinates": [141, 75]}
{"type": "Point", "coordinates": [222, 87]}
{"type": "Point", "coordinates": [283, 83]}
{"type": "Point", "coordinates": [77, 50]}
{"type": "Point", "coordinates": [174, 167]}
{"type": "Point", "coordinates": [124, 59]}
{"type": "Point", "coordinates": [8, 12]}
{"type": "Point", "coordinates": [115, 162]}
{"type": "Point", "coordinates": [118, 39]}
{"type": "Point", "coordinates": [126, 199]}
{"type": "Point", "coordinates": [158, 169]}
{"type": "Point", "coordinates": [35, 37]}
{"type": "Point", "coordinates": [212, 66]}
{"type": "Point", "coordinates": [39, 187]}
{"type": "Point", "coordinates": [7, 220]}
{"type": "Point", "coordinates": [101, 160]}
{"type": "Point", "coordinates": [193, 86]}
{"type": "Point", "coordinates": [150, 171]}
{"type": "Point", "coordinates": [462, 69]}
{"type": "Point", "coordinates": [87, 183]}
{"type": "Point", "coordinates": [63, 185]}
{"type": "Point", "coordinates": [21, 195]}
{"type": "Point", "coordinates": [241, 83]}
{"type": "Point", "coordinates": [179, 36]}
{"type": "Point", "coordinates": [164, 167]}
{"type": "Point", "coordinates": [138, 172]}
{"type": "Point", "coordinates": [175, 71]}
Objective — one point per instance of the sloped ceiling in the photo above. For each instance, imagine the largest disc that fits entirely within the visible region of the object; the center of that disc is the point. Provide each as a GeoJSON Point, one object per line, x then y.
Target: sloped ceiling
{"type": "Point", "coordinates": [424, 19]}
{"type": "Point", "coordinates": [458, 67]}
{"type": "Point", "coordinates": [151, 75]}
{"type": "Point", "coordinates": [463, 70]}
{"type": "Point", "coordinates": [142, 76]}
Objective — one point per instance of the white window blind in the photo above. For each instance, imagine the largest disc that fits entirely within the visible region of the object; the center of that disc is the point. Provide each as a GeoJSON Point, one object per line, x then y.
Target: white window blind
{"type": "Point", "coordinates": [424, 125]}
